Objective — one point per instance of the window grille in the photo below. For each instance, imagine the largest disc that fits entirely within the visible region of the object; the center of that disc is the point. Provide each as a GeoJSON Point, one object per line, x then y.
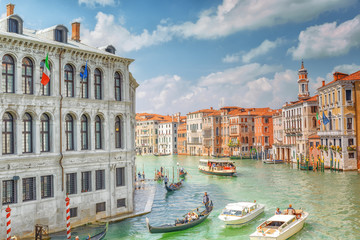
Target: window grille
{"type": "Point", "coordinates": [9, 193]}
{"type": "Point", "coordinates": [100, 207]}
{"type": "Point", "coordinates": [100, 179]}
{"type": "Point", "coordinates": [73, 212]}
{"type": "Point", "coordinates": [71, 183]}
{"type": "Point", "coordinates": [120, 176]}
{"type": "Point", "coordinates": [47, 186]}
{"type": "Point", "coordinates": [121, 202]}
{"type": "Point", "coordinates": [86, 181]}
{"type": "Point", "coordinates": [29, 189]}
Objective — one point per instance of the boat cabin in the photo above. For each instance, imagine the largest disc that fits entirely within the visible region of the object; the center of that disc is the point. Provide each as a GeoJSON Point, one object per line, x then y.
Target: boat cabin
{"type": "Point", "coordinates": [239, 209]}
{"type": "Point", "coordinates": [277, 222]}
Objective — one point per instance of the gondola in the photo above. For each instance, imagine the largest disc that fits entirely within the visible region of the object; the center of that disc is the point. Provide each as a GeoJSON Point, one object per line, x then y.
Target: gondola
{"type": "Point", "coordinates": [101, 234]}
{"type": "Point", "coordinates": [171, 189]}
{"type": "Point", "coordinates": [177, 226]}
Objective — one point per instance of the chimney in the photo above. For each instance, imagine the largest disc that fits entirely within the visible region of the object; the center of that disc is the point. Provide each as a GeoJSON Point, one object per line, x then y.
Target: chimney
{"type": "Point", "coordinates": [75, 31]}
{"type": "Point", "coordinates": [10, 9]}
{"type": "Point", "coordinates": [211, 108]}
{"type": "Point", "coordinates": [339, 75]}
{"type": "Point", "coordinates": [323, 83]}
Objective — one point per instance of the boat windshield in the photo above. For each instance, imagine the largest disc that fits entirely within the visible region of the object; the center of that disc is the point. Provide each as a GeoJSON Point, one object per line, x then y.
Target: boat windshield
{"type": "Point", "coordinates": [231, 212]}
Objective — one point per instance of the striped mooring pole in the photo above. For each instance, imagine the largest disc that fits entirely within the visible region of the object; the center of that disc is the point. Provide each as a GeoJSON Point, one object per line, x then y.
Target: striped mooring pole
{"type": "Point", "coordinates": [8, 223]}
{"type": "Point", "coordinates": [68, 228]}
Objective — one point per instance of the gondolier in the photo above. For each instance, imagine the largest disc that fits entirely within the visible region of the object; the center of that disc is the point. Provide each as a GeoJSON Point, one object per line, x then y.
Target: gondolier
{"type": "Point", "coordinates": [206, 201]}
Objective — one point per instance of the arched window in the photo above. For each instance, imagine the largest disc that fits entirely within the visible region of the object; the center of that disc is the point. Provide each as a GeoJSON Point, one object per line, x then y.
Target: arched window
{"type": "Point", "coordinates": [242, 140]}
{"type": "Point", "coordinates": [217, 131]}
{"type": "Point", "coordinates": [69, 132]}
{"type": "Point", "coordinates": [27, 133]}
{"type": "Point", "coordinates": [246, 140]}
{"type": "Point", "coordinates": [69, 80]}
{"type": "Point", "coordinates": [8, 74]}
{"type": "Point", "coordinates": [27, 76]}
{"type": "Point", "coordinates": [118, 85]}
{"type": "Point", "coordinates": [45, 90]}
{"type": "Point", "coordinates": [8, 134]}
{"type": "Point", "coordinates": [45, 133]}
{"type": "Point", "coordinates": [98, 133]}
{"type": "Point", "coordinates": [84, 93]}
{"type": "Point", "coordinates": [84, 133]}
{"type": "Point", "coordinates": [118, 132]}
{"type": "Point", "coordinates": [97, 84]}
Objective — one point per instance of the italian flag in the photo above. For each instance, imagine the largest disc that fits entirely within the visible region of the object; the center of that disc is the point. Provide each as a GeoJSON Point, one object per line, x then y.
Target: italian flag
{"type": "Point", "coordinates": [46, 73]}
{"type": "Point", "coordinates": [317, 117]}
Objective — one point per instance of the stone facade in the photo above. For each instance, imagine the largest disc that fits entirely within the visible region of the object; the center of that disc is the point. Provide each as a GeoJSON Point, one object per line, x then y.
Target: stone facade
{"type": "Point", "coordinates": [90, 138]}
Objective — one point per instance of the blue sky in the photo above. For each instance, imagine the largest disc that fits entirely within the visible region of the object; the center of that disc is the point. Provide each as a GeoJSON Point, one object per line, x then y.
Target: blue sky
{"type": "Point", "coordinates": [211, 53]}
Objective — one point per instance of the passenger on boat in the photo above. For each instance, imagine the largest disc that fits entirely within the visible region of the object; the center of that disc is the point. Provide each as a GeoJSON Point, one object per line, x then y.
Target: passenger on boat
{"type": "Point", "coordinates": [206, 201]}
{"type": "Point", "coordinates": [143, 175]}
{"type": "Point", "coordinates": [290, 210]}
{"type": "Point", "coordinates": [277, 212]}
{"type": "Point", "coordinates": [139, 176]}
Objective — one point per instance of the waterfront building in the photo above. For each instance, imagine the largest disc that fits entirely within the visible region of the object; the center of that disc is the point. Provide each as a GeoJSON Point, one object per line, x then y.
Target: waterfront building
{"type": "Point", "coordinates": [278, 133]}
{"type": "Point", "coordinates": [147, 128]}
{"type": "Point", "coordinates": [74, 136]}
{"type": "Point", "coordinates": [338, 103]}
{"type": "Point", "coordinates": [168, 135]}
{"type": "Point", "coordinates": [264, 137]}
{"type": "Point", "coordinates": [182, 137]}
{"type": "Point", "coordinates": [194, 131]}
{"type": "Point", "coordinates": [299, 122]}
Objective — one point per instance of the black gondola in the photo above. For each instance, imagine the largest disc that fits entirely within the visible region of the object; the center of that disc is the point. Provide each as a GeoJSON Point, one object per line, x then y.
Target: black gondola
{"type": "Point", "coordinates": [173, 187]}
{"type": "Point", "coordinates": [101, 234]}
{"type": "Point", "coordinates": [178, 226]}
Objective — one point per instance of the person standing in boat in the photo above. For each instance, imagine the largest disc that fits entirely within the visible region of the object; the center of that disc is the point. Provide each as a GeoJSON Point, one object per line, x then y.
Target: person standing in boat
{"type": "Point", "coordinates": [290, 210]}
{"type": "Point", "coordinates": [166, 180]}
{"type": "Point", "coordinates": [206, 201]}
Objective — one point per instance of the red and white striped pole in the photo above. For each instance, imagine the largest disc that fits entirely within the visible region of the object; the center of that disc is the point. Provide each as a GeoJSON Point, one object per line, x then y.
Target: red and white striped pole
{"type": "Point", "coordinates": [68, 229]}
{"type": "Point", "coordinates": [8, 223]}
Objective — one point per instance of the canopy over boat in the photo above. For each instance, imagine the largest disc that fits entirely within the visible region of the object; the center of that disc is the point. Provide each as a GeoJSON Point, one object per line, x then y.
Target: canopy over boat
{"type": "Point", "coordinates": [239, 206]}
{"type": "Point", "coordinates": [215, 161]}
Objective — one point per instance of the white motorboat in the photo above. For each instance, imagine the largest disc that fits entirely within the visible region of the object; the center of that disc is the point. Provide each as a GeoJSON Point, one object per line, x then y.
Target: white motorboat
{"type": "Point", "coordinates": [272, 161]}
{"type": "Point", "coordinates": [217, 167]}
{"type": "Point", "coordinates": [241, 213]}
{"type": "Point", "coordinates": [280, 227]}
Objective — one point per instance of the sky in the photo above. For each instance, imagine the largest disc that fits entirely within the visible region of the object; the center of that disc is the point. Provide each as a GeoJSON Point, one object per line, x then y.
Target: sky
{"type": "Point", "coordinates": [191, 55]}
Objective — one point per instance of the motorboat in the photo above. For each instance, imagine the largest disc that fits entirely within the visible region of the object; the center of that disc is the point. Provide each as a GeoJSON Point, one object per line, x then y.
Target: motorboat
{"type": "Point", "coordinates": [241, 213]}
{"type": "Point", "coordinates": [280, 227]}
{"type": "Point", "coordinates": [272, 161]}
{"type": "Point", "coordinates": [217, 167]}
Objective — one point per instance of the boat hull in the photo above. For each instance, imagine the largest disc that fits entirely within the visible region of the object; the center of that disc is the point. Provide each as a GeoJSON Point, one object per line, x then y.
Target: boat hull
{"type": "Point", "coordinates": [217, 173]}
{"type": "Point", "coordinates": [285, 234]}
{"type": "Point", "coordinates": [239, 221]}
{"type": "Point", "coordinates": [173, 228]}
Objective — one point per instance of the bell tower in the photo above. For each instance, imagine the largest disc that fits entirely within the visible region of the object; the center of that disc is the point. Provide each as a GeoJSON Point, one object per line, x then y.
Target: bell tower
{"type": "Point", "coordinates": [303, 82]}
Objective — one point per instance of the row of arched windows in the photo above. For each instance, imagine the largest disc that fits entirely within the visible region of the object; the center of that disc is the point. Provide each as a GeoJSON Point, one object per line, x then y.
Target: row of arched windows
{"type": "Point", "coordinates": [8, 133]}
{"type": "Point", "coordinates": [8, 76]}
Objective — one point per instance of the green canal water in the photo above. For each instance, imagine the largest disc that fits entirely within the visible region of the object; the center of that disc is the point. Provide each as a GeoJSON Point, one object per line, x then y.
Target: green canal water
{"type": "Point", "coordinates": [332, 199]}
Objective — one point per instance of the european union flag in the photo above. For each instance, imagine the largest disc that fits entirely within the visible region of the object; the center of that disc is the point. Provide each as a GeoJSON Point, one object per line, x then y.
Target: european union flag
{"type": "Point", "coordinates": [325, 119]}
{"type": "Point", "coordinates": [85, 73]}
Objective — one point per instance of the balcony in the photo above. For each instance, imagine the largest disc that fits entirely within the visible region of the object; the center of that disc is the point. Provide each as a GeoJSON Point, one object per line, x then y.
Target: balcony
{"type": "Point", "coordinates": [349, 103]}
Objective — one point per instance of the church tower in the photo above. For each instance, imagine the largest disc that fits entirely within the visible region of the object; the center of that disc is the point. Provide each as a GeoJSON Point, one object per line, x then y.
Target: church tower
{"type": "Point", "coordinates": [303, 82]}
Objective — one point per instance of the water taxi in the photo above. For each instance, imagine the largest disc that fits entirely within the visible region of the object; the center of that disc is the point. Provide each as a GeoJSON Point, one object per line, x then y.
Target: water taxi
{"type": "Point", "coordinates": [217, 167]}
{"type": "Point", "coordinates": [280, 227]}
{"type": "Point", "coordinates": [241, 213]}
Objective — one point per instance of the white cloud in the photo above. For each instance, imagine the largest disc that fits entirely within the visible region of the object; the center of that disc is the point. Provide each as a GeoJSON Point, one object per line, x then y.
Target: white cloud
{"type": "Point", "coordinates": [238, 75]}
{"type": "Point", "coordinates": [346, 68]}
{"type": "Point", "coordinates": [167, 94]}
{"type": "Point", "coordinates": [328, 40]}
{"type": "Point", "coordinates": [107, 31]}
{"type": "Point", "coordinates": [262, 49]}
{"type": "Point", "coordinates": [79, 19]}
{"type": "Point", "coordinates": [93, 3]}
{"type": "Point", "coordinates": [231, 58]}
{"type": "Point", "coordinates": [236, 15]}
{"type": "Point", "coordinates": [229, 17]}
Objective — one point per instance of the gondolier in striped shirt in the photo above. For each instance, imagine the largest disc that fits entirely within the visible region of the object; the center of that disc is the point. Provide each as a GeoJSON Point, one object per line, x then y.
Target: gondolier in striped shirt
{"type": "Point", "coordinates": [206, 201]}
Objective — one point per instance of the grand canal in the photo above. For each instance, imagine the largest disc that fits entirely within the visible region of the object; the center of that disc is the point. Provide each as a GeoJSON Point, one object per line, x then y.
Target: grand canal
{"type": "Point", "coordinates": [332, 199]}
